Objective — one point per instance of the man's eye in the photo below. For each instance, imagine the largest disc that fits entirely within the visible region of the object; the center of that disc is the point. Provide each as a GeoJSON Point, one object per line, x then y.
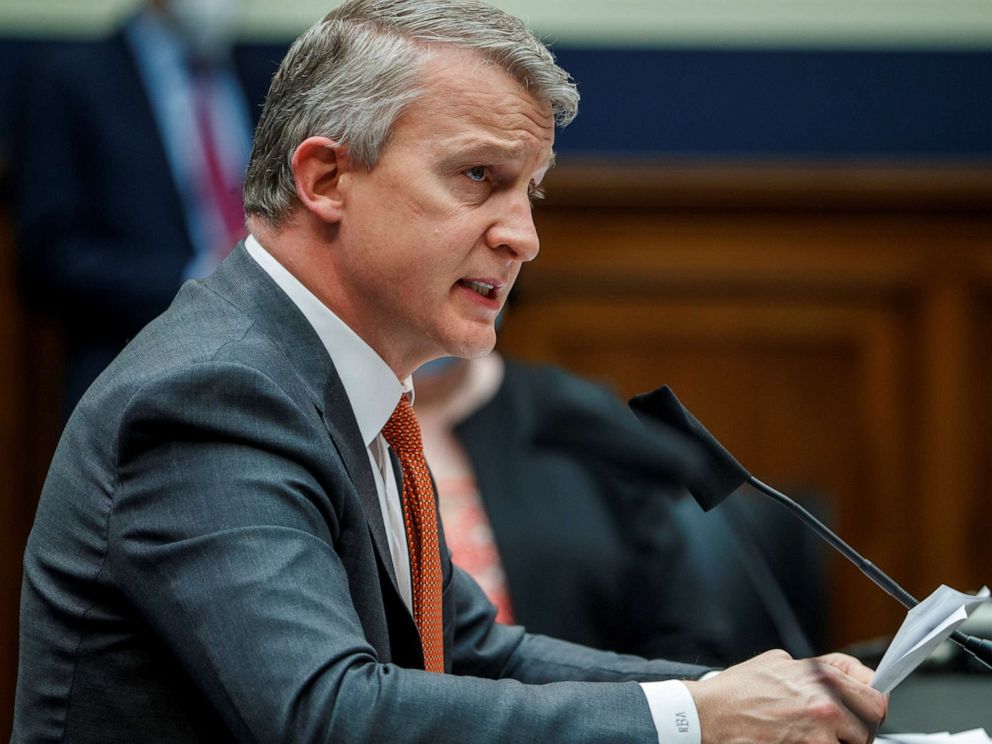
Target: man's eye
{"type": "Point", "coordinates": [478, 173]}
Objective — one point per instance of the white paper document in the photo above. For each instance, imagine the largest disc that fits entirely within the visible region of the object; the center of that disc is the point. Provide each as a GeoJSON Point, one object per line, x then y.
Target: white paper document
{"type": "Point", "coordinates": [975, 736]}
{"type": "Point", "coordinates": [924, 628]}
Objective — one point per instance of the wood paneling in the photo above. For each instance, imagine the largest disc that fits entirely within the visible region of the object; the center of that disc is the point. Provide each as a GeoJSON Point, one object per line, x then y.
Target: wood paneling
{"type": "Point", "coordinates": [16, 506]}
{"type": "Point", "coordinates": [822, 321]}
{"type": "Point", "coordinates": [30, 361]}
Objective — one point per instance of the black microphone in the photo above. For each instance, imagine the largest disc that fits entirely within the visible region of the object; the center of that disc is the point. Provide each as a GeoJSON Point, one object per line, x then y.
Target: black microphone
{"type": "Point", "coordinates": [722, 474]}
{"type": "Point", "coordinates": [726, 475]}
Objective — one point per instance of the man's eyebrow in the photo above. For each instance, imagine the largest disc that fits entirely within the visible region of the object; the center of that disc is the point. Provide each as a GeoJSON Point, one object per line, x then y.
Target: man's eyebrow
{"type": "Point", "coordinates": [488, 152]}
{"type": "Point", "coordinates": [484, 152]}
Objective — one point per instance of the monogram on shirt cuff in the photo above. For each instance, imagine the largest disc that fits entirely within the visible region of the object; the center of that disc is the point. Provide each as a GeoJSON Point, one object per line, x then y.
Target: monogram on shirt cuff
{"type": "Point", "coordinates": [673, 712]}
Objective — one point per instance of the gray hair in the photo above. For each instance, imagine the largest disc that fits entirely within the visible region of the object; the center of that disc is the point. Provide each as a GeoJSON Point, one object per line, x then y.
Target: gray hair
{"type": "Point", "coordinates": [350, 76]}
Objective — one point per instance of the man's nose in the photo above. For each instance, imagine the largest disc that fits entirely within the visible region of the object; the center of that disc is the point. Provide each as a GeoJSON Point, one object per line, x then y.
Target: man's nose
{"type": "Point", "coordinates": [514, 230]}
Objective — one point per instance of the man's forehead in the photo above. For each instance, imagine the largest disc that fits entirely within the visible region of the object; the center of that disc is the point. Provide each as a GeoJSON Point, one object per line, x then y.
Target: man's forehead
{"type": "Point", "coordinates": [463, 77]}
{"type": "Point", "coordinates": [477, 105]}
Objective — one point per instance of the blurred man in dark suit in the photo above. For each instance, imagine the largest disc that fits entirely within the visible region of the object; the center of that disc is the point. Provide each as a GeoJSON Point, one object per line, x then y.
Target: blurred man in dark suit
{"type": "Point", "coordinates": [129, 158]}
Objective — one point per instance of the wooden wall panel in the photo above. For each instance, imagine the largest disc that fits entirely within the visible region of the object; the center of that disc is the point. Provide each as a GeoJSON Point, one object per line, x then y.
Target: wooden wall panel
{"type": "Point", "coordinates": [30, 360]}
{"type": "Point", "coordinates": [979, 528]}
{"type": "Point", "coordinates": [16, 506]}
{"type": "Point", "coordinates": [786, 385]}
{"type": "Point", "coordinates": [821, 322]}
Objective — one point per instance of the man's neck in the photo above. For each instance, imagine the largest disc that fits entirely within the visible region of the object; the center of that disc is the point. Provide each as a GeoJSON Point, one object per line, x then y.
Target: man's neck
{"type": "Point", "coordinates": [306, 257]}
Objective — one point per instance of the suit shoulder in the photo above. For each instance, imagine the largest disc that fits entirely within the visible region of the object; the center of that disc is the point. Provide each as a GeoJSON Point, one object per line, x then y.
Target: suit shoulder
{"type": "Point", "coordinates": [199, 335]}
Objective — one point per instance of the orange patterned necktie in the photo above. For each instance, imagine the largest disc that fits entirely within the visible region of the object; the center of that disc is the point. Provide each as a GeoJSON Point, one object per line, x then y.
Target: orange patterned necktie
{"type": "Point", "coordinates": [420, 516]}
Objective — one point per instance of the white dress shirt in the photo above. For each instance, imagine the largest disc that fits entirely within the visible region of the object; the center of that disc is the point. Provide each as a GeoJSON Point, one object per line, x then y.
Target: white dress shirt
{"type": "Point", "coordinates": [373, 391]}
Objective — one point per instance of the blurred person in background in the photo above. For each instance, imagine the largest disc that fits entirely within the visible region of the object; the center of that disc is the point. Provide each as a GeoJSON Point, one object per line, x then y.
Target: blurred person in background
{"type": "Point", "coordinates": [554, 500]}
{"type": "Point", "coordinates": [566, 537]}
{"type": "Point", "coordinates": [128, 161]}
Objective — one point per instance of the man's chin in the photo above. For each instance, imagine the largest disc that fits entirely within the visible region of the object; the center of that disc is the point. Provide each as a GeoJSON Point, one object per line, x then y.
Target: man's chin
{"type": "Point", "coordinates": [476, 344]}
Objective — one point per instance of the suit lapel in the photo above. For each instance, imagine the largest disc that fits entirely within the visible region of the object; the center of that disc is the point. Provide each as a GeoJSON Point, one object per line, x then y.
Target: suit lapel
{"type": "Point", "coordinates": [353, 452]}
{"type": "Point", "coordinates": [247, 285]}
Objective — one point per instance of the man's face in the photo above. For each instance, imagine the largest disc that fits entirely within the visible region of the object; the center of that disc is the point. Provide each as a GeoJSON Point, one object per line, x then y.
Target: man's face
{"type": "Point", "coordinates": [432, 238]}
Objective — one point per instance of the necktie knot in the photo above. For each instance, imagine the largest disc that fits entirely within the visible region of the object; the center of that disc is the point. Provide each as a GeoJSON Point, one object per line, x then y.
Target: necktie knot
{"type": "Point", "coordinates": [402, 430]}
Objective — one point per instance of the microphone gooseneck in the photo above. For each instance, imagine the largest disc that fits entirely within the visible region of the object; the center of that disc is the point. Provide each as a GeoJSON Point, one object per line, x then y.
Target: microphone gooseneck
{"type": "Point", "coordinates": [724, 475]}
{"type": "Point", "coordinates": [979, 648]}
{"type": "Point", "coordinates": [869, 569]}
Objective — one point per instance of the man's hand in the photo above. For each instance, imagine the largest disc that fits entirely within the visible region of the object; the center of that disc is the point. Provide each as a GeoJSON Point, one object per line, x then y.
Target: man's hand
{"type": "Point", "coordinates": [773, 698]}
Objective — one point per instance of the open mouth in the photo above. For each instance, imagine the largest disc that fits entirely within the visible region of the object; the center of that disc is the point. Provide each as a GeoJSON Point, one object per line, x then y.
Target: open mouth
{"type": "Point", "coordinates": [483, 288]}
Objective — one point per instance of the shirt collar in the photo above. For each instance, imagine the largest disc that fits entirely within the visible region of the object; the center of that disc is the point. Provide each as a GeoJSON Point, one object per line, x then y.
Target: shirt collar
{"type": "Point", "coordinates": [371, 386]}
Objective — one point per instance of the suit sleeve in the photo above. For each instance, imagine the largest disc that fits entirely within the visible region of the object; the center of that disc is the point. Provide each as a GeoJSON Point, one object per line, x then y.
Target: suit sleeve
{"type": "Point", "coordinates": [228, 544]}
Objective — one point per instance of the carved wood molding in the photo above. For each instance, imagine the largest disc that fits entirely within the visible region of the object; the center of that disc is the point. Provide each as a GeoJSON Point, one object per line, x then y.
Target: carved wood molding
{"type": "Point", "coordinates": [846, 184]}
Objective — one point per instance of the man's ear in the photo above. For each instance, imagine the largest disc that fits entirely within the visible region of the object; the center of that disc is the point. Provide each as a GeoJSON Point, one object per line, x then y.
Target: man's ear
{"type": "Point", "coordinates": [318, 163]}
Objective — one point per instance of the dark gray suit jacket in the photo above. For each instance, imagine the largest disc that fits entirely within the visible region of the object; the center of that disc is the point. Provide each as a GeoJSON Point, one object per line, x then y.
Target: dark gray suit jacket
{"type": "Point", "coordinates": [208, 562]}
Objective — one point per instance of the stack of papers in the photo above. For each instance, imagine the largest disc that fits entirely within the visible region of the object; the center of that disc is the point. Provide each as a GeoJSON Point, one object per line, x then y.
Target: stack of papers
{"type": "Point", "coordinates": [924, 628]}
{"type": "Point", "coordinates": [976, 736]}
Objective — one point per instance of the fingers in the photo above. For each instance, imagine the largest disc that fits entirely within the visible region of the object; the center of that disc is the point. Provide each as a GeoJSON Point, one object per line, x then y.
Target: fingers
{"type": "Point", "coordinates": [863, 707]}
{"type": "Point", "coordinates": [877, 704]}
{"type": "Point", "coordinates": [850, 666]}
{"type": "Point", "coordinates": [854, 668]}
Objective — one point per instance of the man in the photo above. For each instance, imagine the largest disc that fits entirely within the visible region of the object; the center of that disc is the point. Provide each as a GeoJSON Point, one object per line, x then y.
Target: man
{"type": "Point", "coordinates": [149, 131]}
{"type": "Point", "coordinates": [219, 551]}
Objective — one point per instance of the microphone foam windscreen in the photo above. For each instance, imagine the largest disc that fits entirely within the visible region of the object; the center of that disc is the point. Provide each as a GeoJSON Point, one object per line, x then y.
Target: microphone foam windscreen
{"type": "Point", "coordinates": [722, 474]}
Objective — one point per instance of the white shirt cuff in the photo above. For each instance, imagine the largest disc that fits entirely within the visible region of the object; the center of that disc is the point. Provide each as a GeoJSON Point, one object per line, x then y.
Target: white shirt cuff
{"type": "Point", "coordinates": [673, 711]}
